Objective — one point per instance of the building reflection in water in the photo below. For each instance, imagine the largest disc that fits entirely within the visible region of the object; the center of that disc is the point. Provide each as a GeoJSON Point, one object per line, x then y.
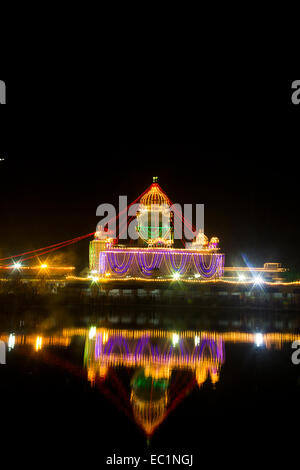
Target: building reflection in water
{"type": "Point", "coordinates": [154, 358]}
{"type": "Point", "coordinates": [154, 355]}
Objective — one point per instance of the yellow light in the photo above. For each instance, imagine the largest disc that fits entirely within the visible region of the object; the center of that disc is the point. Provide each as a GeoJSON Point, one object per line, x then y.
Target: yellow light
{"type": "Point", "coordinates": [104, 337]}
{"type": "Point", "coordinates": [38, 343]}
{"type": "Point", "coordinates": [44, 266]}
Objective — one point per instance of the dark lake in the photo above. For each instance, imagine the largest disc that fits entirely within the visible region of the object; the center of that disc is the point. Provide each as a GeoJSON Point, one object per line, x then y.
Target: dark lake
{"type": "Point", "coordinates": [229, 394]}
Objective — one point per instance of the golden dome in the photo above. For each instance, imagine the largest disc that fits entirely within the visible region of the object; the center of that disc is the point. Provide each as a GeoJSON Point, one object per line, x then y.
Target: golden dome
{"type": "Point", "coordinates": [155, 195]}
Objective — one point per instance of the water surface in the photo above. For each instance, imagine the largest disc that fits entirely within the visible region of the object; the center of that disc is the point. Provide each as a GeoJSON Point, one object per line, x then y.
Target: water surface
{"type": "Point", "coordinates": [229, 395]}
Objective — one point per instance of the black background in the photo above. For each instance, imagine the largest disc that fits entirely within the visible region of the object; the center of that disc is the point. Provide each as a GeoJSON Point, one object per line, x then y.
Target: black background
{"type": "Point", "coordinates": [233, 145]}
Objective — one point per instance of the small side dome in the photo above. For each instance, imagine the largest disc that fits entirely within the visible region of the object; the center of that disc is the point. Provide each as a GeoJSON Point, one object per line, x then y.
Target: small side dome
{"type": "Point", "coordinates": [201, 239]}
{"type": "Point", "coordinates": [214, 242]}
{"type": "Point", "coordinates": [200, 242]}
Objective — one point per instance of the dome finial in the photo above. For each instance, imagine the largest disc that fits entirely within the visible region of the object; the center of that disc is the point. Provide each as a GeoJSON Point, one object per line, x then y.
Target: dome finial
{"type": "Point", "coordinates": [155, 179]}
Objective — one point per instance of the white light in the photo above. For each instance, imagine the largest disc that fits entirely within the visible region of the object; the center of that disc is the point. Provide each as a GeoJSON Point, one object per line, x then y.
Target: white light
{"type": "Point", "coordinates": [11, 341]}
{"type": "Point", "coordinates": [259, 339]}
{"type": "Point", "coordinates": [94, 271]}
{"type": "Point", "coordinates": [197, 275]}
{"type": "Point", "coordinates": [95, 278]}
{"type": "Point", "coordinates": [175, 339]}
{"type": "Point", "coordinates": [197, 340]}
{"type": "Point", "coordinates": [176, 276]}
{"type": "Point", "coordinates": [92, 332]}
{"type": "Point", "coordinates": [242, 277]}
{"type": "Point", "coordinates": [44, 266]}
{"type": "Point", "coordinates": [17, 265]}
{"type": "Point", "coordinates": [258, 280]}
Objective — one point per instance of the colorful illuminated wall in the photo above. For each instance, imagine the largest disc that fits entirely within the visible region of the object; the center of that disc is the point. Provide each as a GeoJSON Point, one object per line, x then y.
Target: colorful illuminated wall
{"type": "Point", "coordinates": [156, 262]}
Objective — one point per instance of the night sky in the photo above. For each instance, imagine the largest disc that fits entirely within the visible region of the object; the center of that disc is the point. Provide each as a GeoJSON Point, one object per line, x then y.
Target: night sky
{"type": "Point", "coordinates": [61, 162]}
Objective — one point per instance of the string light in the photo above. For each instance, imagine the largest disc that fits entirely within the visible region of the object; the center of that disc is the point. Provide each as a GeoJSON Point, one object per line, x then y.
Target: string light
{"type": "Point", "coordinates": [57, 246]}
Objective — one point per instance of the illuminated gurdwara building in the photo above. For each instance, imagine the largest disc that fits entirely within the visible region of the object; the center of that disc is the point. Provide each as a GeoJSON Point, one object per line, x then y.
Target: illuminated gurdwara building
{"type": "Point", "coordinates": [154, 255]}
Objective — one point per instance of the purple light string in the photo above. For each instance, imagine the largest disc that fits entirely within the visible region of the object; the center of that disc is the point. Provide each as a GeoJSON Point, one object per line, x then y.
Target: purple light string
{"type": "Point", "coordinates": [130, 348]}
{"type": "Point", "coordinates": [102, 262]}
{"type": "Point", "coordinates": [184, 262]}
{"type": "Point", "coordinates": [146, 268]}
{"type": "Point", "coordinates": [205, 271]}
{"type": "Point", "coordinates": [142, 343]}
{"type": "Point", "coordinates": [120, 268]}
{"type": "Point", "coordinates": [116, 341]}
{"type": "Point", "coordinates": [98, 346]}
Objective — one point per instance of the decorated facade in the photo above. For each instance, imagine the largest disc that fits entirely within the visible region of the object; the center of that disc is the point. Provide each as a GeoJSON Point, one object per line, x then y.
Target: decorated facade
{"type": "Point", "coordinates": [154, 255]}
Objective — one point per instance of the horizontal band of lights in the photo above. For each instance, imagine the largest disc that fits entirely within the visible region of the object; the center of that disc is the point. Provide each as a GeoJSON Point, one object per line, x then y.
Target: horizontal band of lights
{"type": "Point", "coordinates": [165, 262]}
{"type": "Point", "coordinates": [63, 337]}
{"type": "Point", "coordinates": [166, 280]}
{"type": "Point", "coordinates": [233, 337]}
{"type": "Point", "coordinates": [18, 267]}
